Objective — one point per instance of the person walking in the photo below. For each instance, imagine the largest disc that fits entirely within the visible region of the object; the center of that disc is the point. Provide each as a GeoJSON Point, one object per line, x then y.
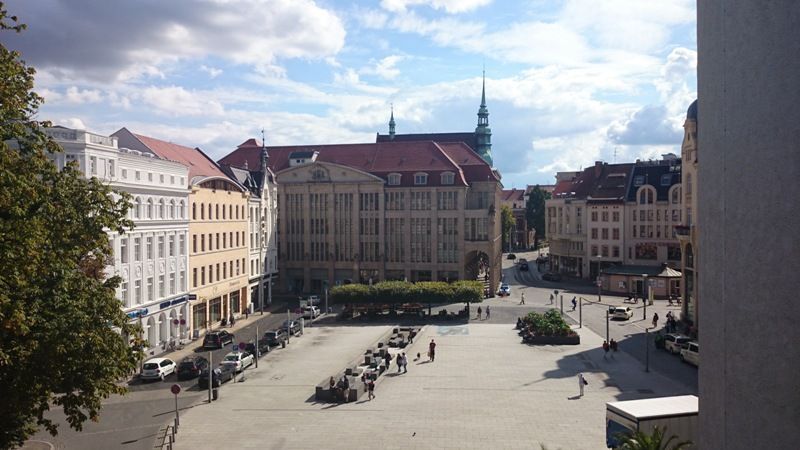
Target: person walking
{"type": "Point", "coordinates": [487, 312]}
{"type": "Point", "coordinates": [431, 351]}
{"type": "Point", "coordinates": [370, 389]}
{"type": "Point", "coordinates": [399, 360]}
{"type": "Point", "coordinates": [479, 312]}
{"type": "Point", "coordinates": [655, 319]}
{"type": "Point", "coordinates": [581, 383]}
{"type": "Point", "coordinates": [551, 299]}
{"type": "Point", "coordinates": [605, 349]}
{"type": "Point", "coordinates": [522, 299]}
{"type": "Point", "coordinates": [574, 303]}
{"type": "Point", "coordinates": [405, 362]}
{"type": "Point", "coordinates": [613, 345]}
{"type": "Point", "coordinates": [388, 360]}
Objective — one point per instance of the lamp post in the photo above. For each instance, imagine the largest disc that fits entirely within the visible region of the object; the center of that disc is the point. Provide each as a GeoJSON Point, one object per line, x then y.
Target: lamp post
{"type": "Point", "coordinates": [646, 349]}
{"type": "Point", "coordinates": [261, 266]}
{"type": "Point", "coordinates": [644, 295]}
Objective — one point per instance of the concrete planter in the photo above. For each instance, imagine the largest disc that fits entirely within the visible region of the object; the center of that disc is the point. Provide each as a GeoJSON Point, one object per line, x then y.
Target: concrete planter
{"type": "Point", "coordinates": [555, 340]}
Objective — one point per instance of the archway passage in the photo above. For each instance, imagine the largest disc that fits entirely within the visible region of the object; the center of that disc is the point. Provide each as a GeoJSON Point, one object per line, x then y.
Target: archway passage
{"type": "Point", "coordinates": [151, 332]}
{"type": "Point", "coordinates": [478, 267]}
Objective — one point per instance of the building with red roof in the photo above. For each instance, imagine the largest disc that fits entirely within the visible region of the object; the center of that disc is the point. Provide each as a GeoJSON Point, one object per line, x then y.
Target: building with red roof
{"type": "Point", "coordinates": [218, 229]}
{"type": "Point", "coordinates": [415, 210]}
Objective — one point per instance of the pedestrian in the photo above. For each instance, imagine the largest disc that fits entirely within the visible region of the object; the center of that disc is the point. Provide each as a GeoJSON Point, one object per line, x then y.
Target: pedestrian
{"type": "Point", "coordinates": [232, 321]}
{"type": "Point", "coordinates": [551, 299]}
{"type": "Point", "coordinates": [655, 319]}
{"type": "Point", "coordinates": [399, 360]}
{"type": "Point", "coordinates": [388, 360]}
{"type": "Point", "coordinates": [574, 303]}
{"type": "Point", "coordinates": [613, 346]}
{"type": "Point", "coordinates": [581, 383]}
{"type": "Point", "coordinates": [605, 349]}
{"type": "Point", "coordinates": [431, 351]}
{"type": "Point", "coordinates": [479, 312]}
{"type": "Point", "coordinates": [405, 362]}
{"type": "Point", "coordinates": [371, 389]}
{"type": "Point", "coordinates": [487, 312]}
{"type": "Point", "coordinates": [522, 299]}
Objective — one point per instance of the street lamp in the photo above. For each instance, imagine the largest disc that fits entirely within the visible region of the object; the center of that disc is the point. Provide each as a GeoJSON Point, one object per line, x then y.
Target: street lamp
{"type": "Point", "coordinates": [644, 294]}
{"type": "Point", "coordinates": [599, 283]}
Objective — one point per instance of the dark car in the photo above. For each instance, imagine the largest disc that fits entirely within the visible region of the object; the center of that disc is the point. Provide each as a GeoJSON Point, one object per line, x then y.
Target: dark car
{"type": "Point", "coordinates": [275, 338]}
{"type": "Point", "coordinates": [217, 339]}
{"type": "Point", "coordinates": [523, 264]}
{"type": "Point", "coordinates": [263, 347]}
{"type": "Point", "coordinates": [552, 276]}
{"type": "Point", "coordinates": [511, 256]}
{"type": "Point", "coordinates": [222, 374]}
{"type": "Point", "coordinates": [191, 367]}
{"type": "Point", "coordinates": [291, 326]}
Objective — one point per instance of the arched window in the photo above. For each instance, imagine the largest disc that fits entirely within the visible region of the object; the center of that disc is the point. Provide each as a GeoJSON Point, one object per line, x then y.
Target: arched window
{"type": "Point", "coordinates": [676, 195]}
{"type": "Point", "coordinates": [149, 213]}
{"type": "Point", "coordinates": [216, 211]}
{"type": "Point", "coordinates": [194, 211]}
{"type": "Point", "coordinates": [202, 211]}
{"type": "Point", "coordinates": [162, 209]}
{"type": "Point", "coordinates": [181, 210]}
{"type": "Point", "coordinates": [223, 212]}
{"type": "Point", "coordinates": [209, 212]}
{"type": "Point", "coordinates": [173, 210]}
{"type": "Point", "coordinates": [645, 196]}
{"type": "Point", "coordinates": [137, 208]}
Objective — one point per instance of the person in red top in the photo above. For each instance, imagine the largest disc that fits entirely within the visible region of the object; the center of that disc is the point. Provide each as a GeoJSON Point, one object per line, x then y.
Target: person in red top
{"type": "Point", "coordinates": [432, 351]}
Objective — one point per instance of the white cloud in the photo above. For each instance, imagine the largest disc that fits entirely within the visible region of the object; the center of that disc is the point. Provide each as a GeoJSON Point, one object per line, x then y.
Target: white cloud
{"type": "Point", "coordinates": [385, 68]}
{"type": "Point", "coordinates": [177, 101]}
{"type": "Point", "coordinates": [450, 6]}
{"type": "Point", "coordinates": [139, 38]}
{"type": "Point", "coordinates": [79, 96]}
{"type": "Point", "coordinates": [71, 122]}
{"type": "Point", "coordinates": [212, 72]}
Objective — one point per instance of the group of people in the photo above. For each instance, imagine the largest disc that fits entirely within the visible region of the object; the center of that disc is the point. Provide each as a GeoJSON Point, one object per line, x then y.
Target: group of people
{"type": "Point", "coordinates": [672, 323]}
{"type": "Point", "coordinates": [480, 312]}
{"type": "Point", "coordinates": [613, 346]}
{"type": "Point", "coordinates": [340, 388]}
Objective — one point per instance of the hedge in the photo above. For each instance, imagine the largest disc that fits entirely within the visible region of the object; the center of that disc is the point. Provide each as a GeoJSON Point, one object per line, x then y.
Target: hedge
{"type": "Point", "coordinates": [431, 292]}
{"type": "Point", "coordinates": [548, 324]}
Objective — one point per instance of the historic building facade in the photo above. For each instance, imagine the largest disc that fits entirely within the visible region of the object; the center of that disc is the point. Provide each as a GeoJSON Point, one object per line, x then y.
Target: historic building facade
{"type": "Point", "coordinates": [414, 210]}
{"type": "Point", "coordinates": [218, 228]}
{"type": "Point", "coordinates": [687, 230]}
{"type": "Point", "coordinates": [262, 219]}
{"type": "Point", "coordinates": [521, 237]}
{"type": "Point", "coordinates": [152, 258]}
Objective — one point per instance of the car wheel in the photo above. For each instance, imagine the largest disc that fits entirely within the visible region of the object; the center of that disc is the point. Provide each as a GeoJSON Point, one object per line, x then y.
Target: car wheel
{"type": "Point", "coordinates": [682, 358]}
{"type": "Point", "coordinates": [163, 376]}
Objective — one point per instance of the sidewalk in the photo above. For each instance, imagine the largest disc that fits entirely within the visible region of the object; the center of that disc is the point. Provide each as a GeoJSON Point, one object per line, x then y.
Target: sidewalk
{"type": "Point", "coordinates": [485, 389]}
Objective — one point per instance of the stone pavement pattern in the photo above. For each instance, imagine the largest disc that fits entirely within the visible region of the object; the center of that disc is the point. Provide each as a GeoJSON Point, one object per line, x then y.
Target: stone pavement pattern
{"type": "Point", "coordinates": [485, 390]}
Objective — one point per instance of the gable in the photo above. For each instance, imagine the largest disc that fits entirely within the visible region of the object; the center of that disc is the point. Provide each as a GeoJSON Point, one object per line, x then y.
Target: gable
{"type": "Point", "coordinates": [323, 172]}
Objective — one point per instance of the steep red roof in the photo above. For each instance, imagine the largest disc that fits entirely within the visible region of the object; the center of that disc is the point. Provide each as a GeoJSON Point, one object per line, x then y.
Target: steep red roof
{"type": "Point", "coordinates": [380, 159]}
{"type": "Point", "coordinates": [509, 195]}
{"type": "Point", "coordinates": [199, 163]}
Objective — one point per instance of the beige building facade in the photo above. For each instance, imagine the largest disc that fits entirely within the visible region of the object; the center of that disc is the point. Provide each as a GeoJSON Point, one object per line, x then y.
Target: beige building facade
{"type": "Point", "coordinates": [687, 230]}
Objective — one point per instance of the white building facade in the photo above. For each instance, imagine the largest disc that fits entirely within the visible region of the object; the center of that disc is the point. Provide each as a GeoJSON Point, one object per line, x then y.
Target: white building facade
{"type": "Point", "coordinates": [152, 258]}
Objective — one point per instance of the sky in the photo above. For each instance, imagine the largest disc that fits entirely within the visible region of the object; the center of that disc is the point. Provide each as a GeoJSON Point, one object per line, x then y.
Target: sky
{"type": "Point", "coordinates": [568, 82]}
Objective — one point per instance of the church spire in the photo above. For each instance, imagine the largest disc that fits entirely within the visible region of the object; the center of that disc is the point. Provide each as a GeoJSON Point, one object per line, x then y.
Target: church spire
{"type": "Point", "coordinates": [483, 134]}
{"type": "Point", "coordinates": [264, 154]}
{"type": "Point", "coordinates": [391, 124]}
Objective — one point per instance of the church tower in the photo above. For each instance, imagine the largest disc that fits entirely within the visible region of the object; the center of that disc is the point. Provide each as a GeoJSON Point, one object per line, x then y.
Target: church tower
{"type": "Point", "coordinates": [483, 134]}
{"type": "Point", "coordinates": [391, 125]}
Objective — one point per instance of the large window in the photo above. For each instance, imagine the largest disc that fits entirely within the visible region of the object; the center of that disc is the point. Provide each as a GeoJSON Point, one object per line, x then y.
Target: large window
{"type": "Point", "coordinates": [448, 178]}
{"type": "Point", "coordinates": [420, 178]}
{"type": "Point", "coordinates": [123, 250]}
{"type": "Point", "coordinates": [394, 179]}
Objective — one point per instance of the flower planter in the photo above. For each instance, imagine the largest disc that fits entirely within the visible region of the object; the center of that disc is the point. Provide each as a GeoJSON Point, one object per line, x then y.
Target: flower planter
{"type": "Point", "coordinates": [554, 340]}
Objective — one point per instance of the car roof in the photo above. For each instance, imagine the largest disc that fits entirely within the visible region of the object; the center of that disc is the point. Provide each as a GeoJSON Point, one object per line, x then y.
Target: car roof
{"type": "Point", "coordinates": [157, 360]}
{"type": "Point", "coordinates": [233, 353]}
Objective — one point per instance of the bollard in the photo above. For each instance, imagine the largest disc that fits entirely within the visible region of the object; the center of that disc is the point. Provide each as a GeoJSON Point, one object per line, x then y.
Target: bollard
{"type": "Point", "coordinates": [175, 425]}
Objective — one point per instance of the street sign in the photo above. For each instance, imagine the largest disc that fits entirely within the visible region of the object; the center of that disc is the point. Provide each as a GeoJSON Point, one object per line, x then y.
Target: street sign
{"type": "Point", "coordinates": [176, 389]}
{"type": "Point", "coordinates": [176, 322]}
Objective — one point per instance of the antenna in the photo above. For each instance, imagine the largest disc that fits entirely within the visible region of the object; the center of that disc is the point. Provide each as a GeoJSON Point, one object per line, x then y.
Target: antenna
{"type": "Point", "coordinates": [263, 140]}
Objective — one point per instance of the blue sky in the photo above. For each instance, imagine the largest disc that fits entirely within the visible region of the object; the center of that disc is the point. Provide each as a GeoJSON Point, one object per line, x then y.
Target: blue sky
{"type": "Point", "coordinates": [567, 82]}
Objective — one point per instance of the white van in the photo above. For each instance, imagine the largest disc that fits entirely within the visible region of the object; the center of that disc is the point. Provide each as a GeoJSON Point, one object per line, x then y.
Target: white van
{"type": "Point", "coordinates": [691, 353]}
{"type": "Point", "coordinates": [310, 312]}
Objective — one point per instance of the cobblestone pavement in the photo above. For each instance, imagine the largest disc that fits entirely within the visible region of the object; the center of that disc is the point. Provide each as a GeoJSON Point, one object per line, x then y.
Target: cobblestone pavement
{"type": "Point", "coordinates": [485, 390]}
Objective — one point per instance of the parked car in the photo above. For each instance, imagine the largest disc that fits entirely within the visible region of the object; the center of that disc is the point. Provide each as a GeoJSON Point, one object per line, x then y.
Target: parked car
{"type": "Point", "coordinates": [310, 312]}
{"type": "Point", "coordinates": [622, 312]}
{"type": "Point", "coordinates": [551, 276]}
{"type": "Point", "coordinates": [674, 342]}
{"type": "Point", "coordinates": [291, 326]}
{"type": "Point", "coordinates": [221, 374]}
{"type": "Point", "coordinates": [691, 353]}
{"type": "Point", "coordinates": [263, 347]}
{"type": "Point", "coordinates": [275, 337]}
{"type": "Point", "coordinates": [157, 368]}
{"type": "Point", "coordinates": [191, 367]}
{"type": "Point", "coordinates": [217, 339]}
{"type": "Point", "coordinates": [523, 266]}
{"type": "Point", "coordinates": [511, 256]}
{"type": "Point", "coordinates": [240, 360]}
{"type": "Point", "coordinates": [504, 290]}
{"type": "Point", "coordinates": [313, 300]}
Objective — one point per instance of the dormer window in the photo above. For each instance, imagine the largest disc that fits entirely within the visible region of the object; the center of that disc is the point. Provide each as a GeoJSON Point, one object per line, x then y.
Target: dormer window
{"type": "Point", "coordinates": [638, 180]}
{"type": "Point", "coordinates": [394, 179]}
{"type": "Point", "coordinates": [448, 178]}
{"type": "Point", "coordinates": [666, 179]}
{"type": "Point", "coordinates": [420, 178]}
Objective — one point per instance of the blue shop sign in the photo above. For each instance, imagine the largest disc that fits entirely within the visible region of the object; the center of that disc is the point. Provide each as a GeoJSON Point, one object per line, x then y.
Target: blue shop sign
{"type": "Point", "coordinates": [174, 302]}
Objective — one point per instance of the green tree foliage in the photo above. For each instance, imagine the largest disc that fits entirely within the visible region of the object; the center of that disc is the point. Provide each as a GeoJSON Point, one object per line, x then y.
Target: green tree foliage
{"type": "Point", "coordinates": [656, 440]}
{"type": "Point", "coordinates": [535, 213]}
{"type": "Point", "coordinates": [59, 318]}
{"type": "Point", "coordinates": [396, 292]}
{"type": "Point", "coordinates": [548, 324]}
{"type": "Point", "coordinates": [508, 223]}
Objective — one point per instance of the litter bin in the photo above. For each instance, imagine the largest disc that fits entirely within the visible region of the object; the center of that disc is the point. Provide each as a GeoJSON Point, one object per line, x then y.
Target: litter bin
{"type": "Point", "coordinates": [215, 394]}
{"type": "Point", "coordinates": [283, 344]}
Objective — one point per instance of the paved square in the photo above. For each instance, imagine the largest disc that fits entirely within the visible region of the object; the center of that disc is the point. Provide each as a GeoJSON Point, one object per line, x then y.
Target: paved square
{"type": "Point", "coordinates": [485, 390]}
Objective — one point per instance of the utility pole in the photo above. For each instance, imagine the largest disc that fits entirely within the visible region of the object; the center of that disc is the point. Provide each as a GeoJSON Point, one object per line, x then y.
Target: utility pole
{"type": "Point", "coordinates": [258, 351]}
{"type": "Point", "coordinates": [646, 349]}
{"type": "Point", "coordinates": [288, 323]}
{"type": "Point", "coordinates": [580, 312]}
{"type": "Point", "coordinates": [607, 340]}
{"type": "Point", "coordinates": [210, 374]}
{"type": "Point", "coordinates": [644, 295]}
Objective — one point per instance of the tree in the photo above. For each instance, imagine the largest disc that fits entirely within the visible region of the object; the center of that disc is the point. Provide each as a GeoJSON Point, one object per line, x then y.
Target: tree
{"type": "Point", "coordinates": [60, 322]}
{"type": "Point", "coordinates": [534, 213]}
{"type": "Point", "coordinates": [640, 440]}
{"type": "Point", "coordinates": [507, 222]}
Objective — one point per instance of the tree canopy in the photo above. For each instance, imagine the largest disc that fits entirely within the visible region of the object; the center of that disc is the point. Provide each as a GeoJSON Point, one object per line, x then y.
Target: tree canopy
{"type": "Point", "coordinates": [535, 213]}
{"type": "Point", "coordinates": [60, 322]}
{"type": "Point", "coordinates": [508, 223]}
